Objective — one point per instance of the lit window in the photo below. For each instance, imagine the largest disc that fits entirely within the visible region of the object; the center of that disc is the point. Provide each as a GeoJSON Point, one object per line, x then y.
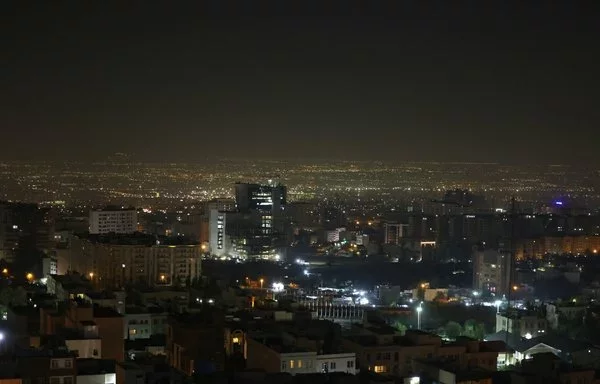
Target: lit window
{"type": "Point", "coordinates": [379, 369]}
{"type": "Point", "coordinates": [291, 364]}
{"type": "Point", "coordinates": [299, 363]}
{"type": "Point", "coordinates": [236, 340]}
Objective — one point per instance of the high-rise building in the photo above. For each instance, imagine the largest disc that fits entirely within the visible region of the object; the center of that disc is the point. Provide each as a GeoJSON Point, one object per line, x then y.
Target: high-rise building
{"type": "Point", "coordinates": [393, 232]}
{"type": "Point", "coordinates": [218, 240]}
{"type": "Point", "coordinates": [491, 271]}
{"type": "Point", "coordinates": [272, 197]}
{"type": "Point", "coordinates": [113, 220]}
{"type": "Point", "coordinates": [25, 227]}
{"type": "Point", "coordinates": [259, 220]}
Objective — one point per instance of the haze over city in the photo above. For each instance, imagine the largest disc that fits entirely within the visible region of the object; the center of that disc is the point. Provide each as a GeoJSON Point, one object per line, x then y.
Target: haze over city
{"type": "Point", "coordinates": [510, 82]}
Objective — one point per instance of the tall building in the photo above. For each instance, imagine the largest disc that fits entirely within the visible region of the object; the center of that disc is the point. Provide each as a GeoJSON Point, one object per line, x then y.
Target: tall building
{"type": "Point", "coordinates": [259, 220]}
{"type": "Point", "coordinates": [393, 232]}
{"type": "Point", "coordinates": [115, 260]}
{"type": "Point", "coordinates": [113, 220]}
{"type": "Point", "coordinates": [218, 242]}
{"type": "Point", "coordinates": [25, 227]}
{"type": "Point", "coordinates": [271, 197]}
{"type": "Point", "coordinates": [491, 271]}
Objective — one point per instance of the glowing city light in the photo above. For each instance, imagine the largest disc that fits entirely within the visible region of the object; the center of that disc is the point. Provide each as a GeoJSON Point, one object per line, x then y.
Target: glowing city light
{"type": "Point", "coordinates": [277, 287]}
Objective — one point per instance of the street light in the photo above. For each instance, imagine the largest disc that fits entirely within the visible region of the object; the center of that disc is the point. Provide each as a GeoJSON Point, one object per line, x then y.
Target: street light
{"type": "Point", "coordinates": [261, 282]}
{"type": "Point", "coordinates": [419, 310]}
{"type": "Point", "coordinates": [29, 276]}
{"type": "Point", "coordinates": [91, 275]}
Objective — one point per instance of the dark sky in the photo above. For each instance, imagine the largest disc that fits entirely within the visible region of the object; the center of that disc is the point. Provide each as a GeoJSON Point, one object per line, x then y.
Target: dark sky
{"type": "Point", "coordinates": [506, 81]}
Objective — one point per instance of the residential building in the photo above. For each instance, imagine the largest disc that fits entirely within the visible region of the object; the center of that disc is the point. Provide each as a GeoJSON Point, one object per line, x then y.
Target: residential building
{"type": "Point", "coordinates": [527, 324]}
{"type": "Point", "coordinates": [113, 260]}
{"type": "Point", "coordinates": [492, 271]}
{"type": "Point", "coordinates": [196, 341]}
{"type": "Point", "coordinates": [272, 355]}
{"type": "Point", "coordinates": [385, 352]}
{"type": "Point", "coordinates": [113, 220]}
{"type": "Point", "coordinates": [568, 312]}
{"type": "Point", "coordinates": [142, 323]}
{"type": "Point", "coordinates": [57, 366]}
{"type": "Point", "coordinates": [393, 232]}
{"type": "Point", "coordinates": [96, 371]}
{"type": "Point", "coordinates": [89, 323]}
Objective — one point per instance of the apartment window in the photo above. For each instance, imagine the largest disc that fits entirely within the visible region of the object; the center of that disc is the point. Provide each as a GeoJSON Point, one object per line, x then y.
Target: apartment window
{"type": "Point", "coordinates": [332, 365]}
{"type": "Point", "coordinates": [68, 363]}
{"type": "Point", "coordinates": [291, 364]}
{"type": "Point", "coordinates": [379, 368]}
{"type": "Point", "coordinates": [95, 352]}
{"type": "Point", "coordinates": [387, 356]}
{"type": "Point", "coordinates": [55, 380]}
{"type": "Point", "coordinates": [350, 364]}
{"type": "Point", "coordinates": [54, 364]}
{"type": "Point", "coordinates": [299, 363]}
{"type": "Point", "coordinates": [68, 380]}
{"type": "Point", "coordinates": [283, 365]}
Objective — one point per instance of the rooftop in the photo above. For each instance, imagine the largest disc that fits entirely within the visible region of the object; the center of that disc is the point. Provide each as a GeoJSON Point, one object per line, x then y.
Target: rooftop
{"type": "Point", "coordinates": [140, 239]}
{"type": "Point", "coordinates": [95, 366]}
{"type": "Point", "coordinates": [103, 312]}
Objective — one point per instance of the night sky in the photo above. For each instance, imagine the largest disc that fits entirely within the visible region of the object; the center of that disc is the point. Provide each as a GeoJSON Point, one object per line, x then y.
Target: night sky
{"type": "Point", "coordinates": [402, 81]}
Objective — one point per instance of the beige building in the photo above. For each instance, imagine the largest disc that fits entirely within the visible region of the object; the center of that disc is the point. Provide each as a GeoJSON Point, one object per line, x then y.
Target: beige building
{"type": "Point", "coordinates": [113, 261]}
{"type": "Point", "coordinates": [295, 360]}
{"type": "Point", "coordinates": [391, 354]}
{"type": "Point", "coordinates": [491, 271]}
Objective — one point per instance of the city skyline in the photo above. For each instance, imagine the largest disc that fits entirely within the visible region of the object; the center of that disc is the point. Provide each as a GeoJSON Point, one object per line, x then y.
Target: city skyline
{"type": "Point", "coordinates": [402, 82]}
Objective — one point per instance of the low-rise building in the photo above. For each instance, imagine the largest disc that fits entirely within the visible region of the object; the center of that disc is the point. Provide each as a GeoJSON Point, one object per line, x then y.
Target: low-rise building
{"type": "Point", "coordinates": [526, 324]}
{"type": "Point", "coordinates": [95, 371]}
{"type": "Point", "coordinates": [195, 342]}
{"type": "Point", "coordinates": [273, 355]}
{"type": "Point", "coordinates": [568, 312]}
{"type": "Point", "coordinates": [393, 354]}
{"type": "Point", "coordinates": [142, 323]}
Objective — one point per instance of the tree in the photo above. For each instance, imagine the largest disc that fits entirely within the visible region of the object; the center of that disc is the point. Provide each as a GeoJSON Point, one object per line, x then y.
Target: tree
{"type": "Point", "coordinates": [453, 330]}
{"type": "Point", "coordinates": [19, 297]}
{"type": "Point", "coordinates": [400, 327]}
{"type": "Point", "coordinates": [474, 329]}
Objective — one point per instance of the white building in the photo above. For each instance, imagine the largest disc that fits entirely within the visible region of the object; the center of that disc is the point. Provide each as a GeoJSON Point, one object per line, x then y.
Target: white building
{"type": "Point", "coordinates": [113, 221]}
{"type": "Point", "coordinates": [86, 344]}
{"type": "Point", "coordinates": [337, 362]}
{"type": "Point", "coordinates": [49, 266]}
{"type": "Point", "coordinates": [218, 241]}
{"type": "Point", "coordinates": [141, 324]}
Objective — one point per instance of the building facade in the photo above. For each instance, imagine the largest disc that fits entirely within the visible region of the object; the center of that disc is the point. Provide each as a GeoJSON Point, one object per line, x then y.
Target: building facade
{"type": "Point", "coordinates": [491, 271]}
{"type": "Point", "coordinates": [113, 220]}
